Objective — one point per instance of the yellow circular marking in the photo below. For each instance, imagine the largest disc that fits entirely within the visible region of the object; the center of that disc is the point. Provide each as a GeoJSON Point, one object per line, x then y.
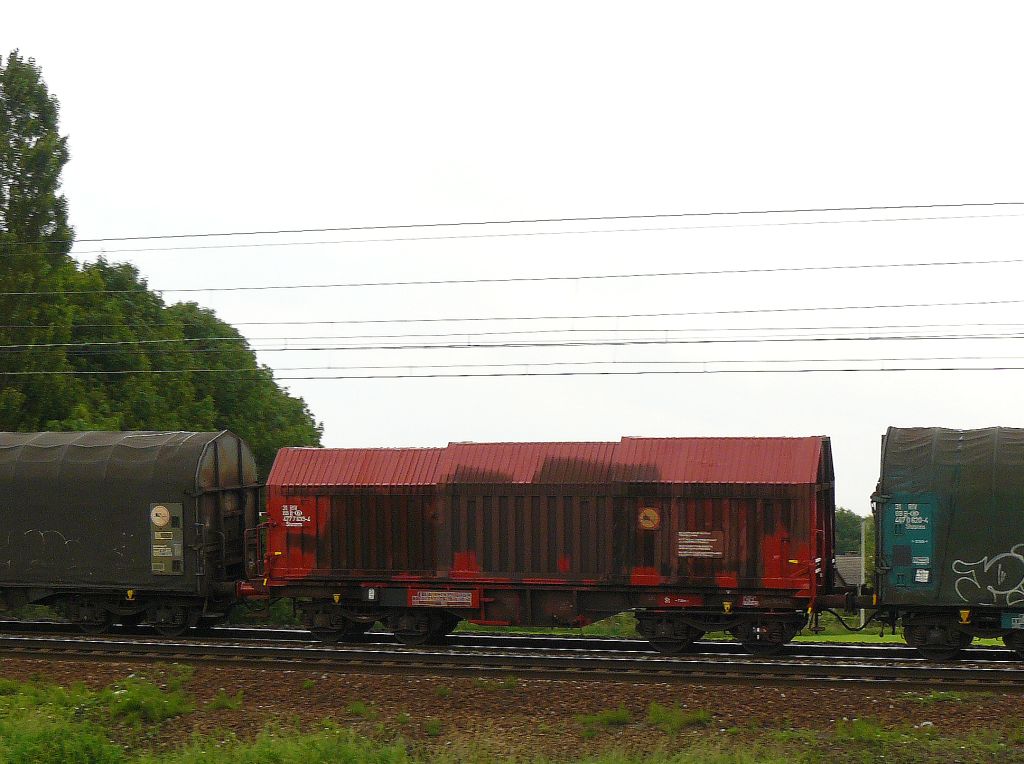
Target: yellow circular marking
{"type": "Point", "coordinates": [649, 518]}
{"type": "Point", "coordinates": [160, 515]}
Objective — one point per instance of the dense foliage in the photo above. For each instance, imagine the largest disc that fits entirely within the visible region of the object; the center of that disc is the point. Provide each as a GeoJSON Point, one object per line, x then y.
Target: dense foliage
{"type": "Point", "coordinates": [49, 306]}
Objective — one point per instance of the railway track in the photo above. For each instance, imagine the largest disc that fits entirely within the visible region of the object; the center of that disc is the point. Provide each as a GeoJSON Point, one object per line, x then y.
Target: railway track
{"type": "Point", "coordinates": [827, 650]}
{"type": "Point", "coordinates": [529, 662]}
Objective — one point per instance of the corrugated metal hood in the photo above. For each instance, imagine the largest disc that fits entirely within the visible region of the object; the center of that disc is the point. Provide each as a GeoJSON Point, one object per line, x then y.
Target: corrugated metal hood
{"type": "Point", "coordinates": [773, 461]}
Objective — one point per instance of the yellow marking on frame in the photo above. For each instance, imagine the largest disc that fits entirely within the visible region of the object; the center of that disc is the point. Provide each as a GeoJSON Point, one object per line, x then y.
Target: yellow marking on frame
{"type": "Point", "coordinates": [727, 606]}
{"type": "Point", "coordinates": [965, 616]}
{"type": "Point", "coordinates": [130, 594]}
{"type": "Point", "coordinates": [337, 598]}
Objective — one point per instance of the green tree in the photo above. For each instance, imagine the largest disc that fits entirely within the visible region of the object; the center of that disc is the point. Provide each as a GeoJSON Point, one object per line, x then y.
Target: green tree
{"type": "Point", "coordinates": [35, 239]}
{"type": "Point", "coordinates": [848, 525]}
{"type": "Point", "coordinates": [132, 362]}
{"type": "Point", "coordinates": [847, 531]}
{"type": "Point", "coordinates": [247, 402]}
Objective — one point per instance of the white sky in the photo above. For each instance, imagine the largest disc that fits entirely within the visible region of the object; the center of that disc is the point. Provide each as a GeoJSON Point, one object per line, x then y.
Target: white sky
{"type": "Point", "coordinates": [199, 117]}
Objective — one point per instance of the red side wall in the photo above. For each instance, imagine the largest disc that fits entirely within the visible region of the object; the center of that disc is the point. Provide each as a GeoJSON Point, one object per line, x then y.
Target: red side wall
{"type": "Point", "coordinates": [483, 533]}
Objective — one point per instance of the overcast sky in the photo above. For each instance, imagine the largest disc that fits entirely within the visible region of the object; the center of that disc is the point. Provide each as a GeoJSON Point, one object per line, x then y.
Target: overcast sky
{"type": "Point", "coordinates": [211, 117]}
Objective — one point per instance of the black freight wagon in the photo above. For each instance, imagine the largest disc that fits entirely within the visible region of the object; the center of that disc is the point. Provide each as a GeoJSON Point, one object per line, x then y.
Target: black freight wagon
{"type": "Point", "coordinates": [949, 513]}
{"type": "Point", "coordinates": [126, 526]}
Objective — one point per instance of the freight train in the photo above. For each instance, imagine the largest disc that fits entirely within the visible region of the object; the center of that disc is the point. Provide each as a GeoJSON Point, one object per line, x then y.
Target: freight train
{"type": "Point", "coordinates": [692, 535]}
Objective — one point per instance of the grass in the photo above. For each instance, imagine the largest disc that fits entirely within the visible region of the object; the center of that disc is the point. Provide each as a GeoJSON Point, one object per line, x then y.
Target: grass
{"type": "Point", "coordinates": [46, 724]}
{"type": "Point", "coordinates": [328, 745]}
{"type": "Point", "coordinates": [361, 709]}
{"type": "Point", "coordinates": [672, 719]}
{"type": "Point", "coordinates": [129, 722]}
{"type": "Point", "coordinates": [443, 692]}
{"type": "Point", "coordinates": [611, 717]}
{"type": "Point", "coordinates": [622, 626]}
{"type": "Point", "coordinates": [223, 701]}
{"type": "Point", "coordinates": [137, 701]}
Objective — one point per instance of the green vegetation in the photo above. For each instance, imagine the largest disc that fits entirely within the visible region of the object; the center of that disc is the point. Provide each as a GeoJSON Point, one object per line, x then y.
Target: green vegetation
{"type": "Point", "coordinates": [124, 723]}
{"type": "Point", "coordinates": [442, 692]}
{"type": "Point", "coordinates": [361, 709]}
{"type": "Point", "coordinates": [622, 626]}
{"type": "Point", "coordinates": [506, 683]}
{"type": "Point", "coordinates": [326, 746]}
{"type": "Point", "coordinates": [138, 700]}
{"type": "Point", "coordinates": [940, 696]}
{"type": "Point", "coordinates": [672, 719]}
{"type": "Point", "coordinates": [126, 326]}
{"type": "Point", "coordinates": [610, 717]}
{"type": "Point", "coordinates": [223, 701]}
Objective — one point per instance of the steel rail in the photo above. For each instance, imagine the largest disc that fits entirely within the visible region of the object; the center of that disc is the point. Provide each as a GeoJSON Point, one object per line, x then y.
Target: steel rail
{"type": "Point", "coordinates": [563, 665]}
{"type": "Point", "coordinates": [795, 649]}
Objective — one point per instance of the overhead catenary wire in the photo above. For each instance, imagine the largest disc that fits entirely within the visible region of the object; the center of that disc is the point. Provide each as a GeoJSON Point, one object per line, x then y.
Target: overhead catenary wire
{"type": "Point", "coordinates": [554, 317]}
{"type": "Point", "coordinates": [540, 220]}
{"type": "Point", "coordinates": [615, 372]}
{"type": "Point", "coordinates": [632, 342]}
{"type": "Point", "coordinates": [513, 234]}
{"type": "Point", "coordinates": [522, 279]}
{"type": "Point", "coordinates": [509, 332]}
{"type": "Point", "coordinates": [522, 364]}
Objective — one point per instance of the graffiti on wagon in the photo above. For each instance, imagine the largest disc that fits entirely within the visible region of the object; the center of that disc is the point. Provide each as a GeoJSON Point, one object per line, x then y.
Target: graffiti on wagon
{"type": "Point", "coordinates": [996, 580]}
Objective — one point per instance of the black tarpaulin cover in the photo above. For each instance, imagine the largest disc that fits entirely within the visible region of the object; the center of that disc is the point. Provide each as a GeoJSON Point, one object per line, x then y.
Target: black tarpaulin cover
{"type": "Point", "coordinates": [74, 506]}
{"type": "Point", "coordinates": [972, 484]}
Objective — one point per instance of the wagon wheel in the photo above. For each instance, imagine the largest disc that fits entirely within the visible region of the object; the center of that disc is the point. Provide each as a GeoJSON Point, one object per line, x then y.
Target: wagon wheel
{"type": "Point", "coordinates": [131, 619]}
{"type": "Point", "coordinates": [937, 643]}
{"type": "Point", "coordinates": [1015, 641]}
{"type": "Point", "coordinates": [938, 654]}
{"type": "Point", "coordinates": [764, 638]}
{"type": "Point", "coordinates": [173, 620]}
{"type": "Point", "coordinates": [441, 626]}
{"type": "Point", "coordinates": [672, 646]}
{"type": "Point", "coordinates": [356, 628]}
{"type": "Point", "coordinates": [763, 648]}
{"type": "Point", "coordinates": [326, 634]}
{"type": "Point", "coordinates": [98, 624]}
{"type": "Point", "coordinates": [413, 628]}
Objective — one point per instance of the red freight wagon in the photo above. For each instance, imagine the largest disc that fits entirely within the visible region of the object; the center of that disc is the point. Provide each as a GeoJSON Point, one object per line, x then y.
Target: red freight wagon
{"type": "Point", "coordinates": [692, 534]}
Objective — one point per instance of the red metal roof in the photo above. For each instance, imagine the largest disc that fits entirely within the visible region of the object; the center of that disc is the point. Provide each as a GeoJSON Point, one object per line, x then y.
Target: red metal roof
{"type": "Point", "coordinates": [771, 461]}
{"type": "Point", "coordinates": [354, 466]}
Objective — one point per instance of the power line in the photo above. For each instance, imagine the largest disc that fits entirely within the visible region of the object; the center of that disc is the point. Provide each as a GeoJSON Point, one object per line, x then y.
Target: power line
{"type": "Point", "coordinates": [501, 333]}
{"type": "Point", "coordinates": [527, 221]}
{"type": "Point", "coordinates": [525, 364]}
{"type": "Point", "coordinates": [632, 342]}
{"type": "Point", "coordinates": [654, 371]}
{"type": "Point", "coordinates": [528, 279]}
{"type": "Point", "coordinates": [629, 372]}
{"type": "Point", "coordinates": [676, 314]}
{"type": "Point", "coordinates": [513, 234]}
{"type": "Point", "coordinates": [581, 317]}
